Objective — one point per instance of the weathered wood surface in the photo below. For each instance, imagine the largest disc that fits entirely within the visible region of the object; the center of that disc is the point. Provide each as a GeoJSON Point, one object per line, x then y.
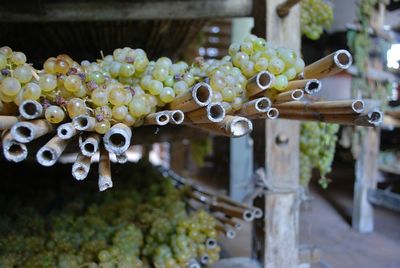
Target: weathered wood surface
{"type": "Point", "coordinates": [125, 10]}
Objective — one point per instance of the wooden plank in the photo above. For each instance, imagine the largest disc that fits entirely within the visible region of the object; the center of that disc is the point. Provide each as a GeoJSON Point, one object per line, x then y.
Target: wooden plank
{"type": "Point", "coordinates": [385, 199]}
{"type": "Point", "coordinates": [277, 148]}
{"type": "Point", "coordinates": [366, 174]}
{"type": "Point", "coordinates": [131, 10]}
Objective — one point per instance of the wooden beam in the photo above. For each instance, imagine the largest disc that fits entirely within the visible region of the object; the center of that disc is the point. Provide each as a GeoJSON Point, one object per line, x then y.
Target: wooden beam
{"type": "Point", "coordinates": [129, 10]}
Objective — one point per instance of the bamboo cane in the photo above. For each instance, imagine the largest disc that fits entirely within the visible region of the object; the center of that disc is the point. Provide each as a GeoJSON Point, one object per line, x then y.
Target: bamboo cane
{"type": "Point", "coordinates": [28, 131]}
{"type": "Point", "coordinates": [204, 259]}
{"type": "Point", "coordinates": [13, 151]}
{"type": "Point", "coordinates": [176, 116]}
{"type": "Point", "coordinates": [310, 86]}
{"type": "Point", "coordinates": [199, 96]}
{"type": "Point", "coordinates": [369, 119]}
{"type": "Point", "coordinates": [329, 65]}
{"type": "Point", "coordinates": [288, 96]}
{"type": "Point", "coordinates": [118, 139]}
{"type": "Point", "coordinates": [212, 113]}
{"type": "Point", "coordinates": [81, 167]}
{"type": "Point", "coordinates": [229, 221]}
{"type": "Point", "coordinates": [259, 83]}
{"type": "Point", "coordinates": [105, 181]}
{"type": "Point", "coordinates": [271, 114]}
{"type": "Point", "coordinates": [323, 107]}
{"type": "Point", "coordinates": [226, 230]}
{"type": "Point", "coordinates": [260, 105]}
{"type": "Point", "coordinates": [30, 109]}
{"type": "Point", "coordinates": [84, 123]}
{"type": "Point", "coordinates": [193, 263]}
{"type": "Point", "coordinates": [122, 158]}
{"type": "Point", "coordinates": [211, 243]}
{"type": "Point", "coordinates": [7, 121]}
{"type": "Point", "coordinates": [160, 119]}
{"type": "Point", "coordinates": [89, 143]}
{"type": "Point", "coordinates": [66, 131]}
{"type": "Point", "coordinates": [233, 211]}
{"type": "Point", "coordinates": [248, 209]}
{"type": "Point", "coordinates": [48, 155]}
{"type": "Point", "coordinates": [230, 126]}
{"type": "Point", "coordinates": [8, 108]}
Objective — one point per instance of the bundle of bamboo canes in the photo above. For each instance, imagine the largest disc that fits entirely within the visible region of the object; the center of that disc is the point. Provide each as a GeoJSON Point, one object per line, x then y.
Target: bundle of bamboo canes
{"type": "Point", "coordinates": [195, 108]}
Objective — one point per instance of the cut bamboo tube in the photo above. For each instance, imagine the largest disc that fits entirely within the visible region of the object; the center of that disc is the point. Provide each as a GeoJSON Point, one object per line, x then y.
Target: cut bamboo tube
{"type": "Point", "coordinates": [84, 123]}
{"type": "Point", "coordinates": [204, 259]}
{"type": "Point", "coordinates": [48, 155]}
{"type": "Point", "coordinates": [310, 86]}
{"type": "Point", "coordinates": [30, 109]}
{"type": "Point", "coordinates": [28, 131]}
{"type": "Point", "coordinates": [105, 181]}
{"type": "Point", "coordinates": [228, 108]}
{"type": "Point", "coordinates": [118, 139]}
{"type": "Point", "coordinates": [66, 131]}
{"type": "Point", "coordinates": [288, 96]}
{"type": "Point", "coordinates": [159, 118]}
{"type": "Point", "coordinates": [212, 113]}
{"type": "Point", "coordinates": [259, 83]}
{"type": "Point", "coordinates": [122, 158]}
{"type": "Point", "coordinates": [226, 230]}
{"type": "Point", "coordinates": [248, 209]}
{"type": "Point", "coordinates": [176, 116]}
{"type": "Point", "coordinates": [256, 106]}
{"type": "Point", "coordinates": [233, 211]}
{"type": "Point", "coordinates": [329, 65]}
{"type": "Point", "coordinates": [199, 96]}
{"type": "Point", "coordinates": [7, 121]}
{"type": "Point", "coordinates": [323, 107]}
{"type": "Point", "coordinates": [81, 167]}
{"type": "Point", "coordinates": [370, 119]}
{"type": "Point", "coordinates": [198, 197]}
{"type": "Point", "coordinates": [211, 243]}
{"type": "Point", "coordinates": [230, 126]}
{"type": "Point", "coordinates": [13, 151]}
{"type": "Point", "coordinates": [193, 263]}
{"type": "Point", "coordinates": [229, 221]}
{"type": "Point", "coordinates": [283, 9]}
{"type": "Point", "coordinates": [271, 114]}
{"type": "Point", "coordinates": [89, 144]}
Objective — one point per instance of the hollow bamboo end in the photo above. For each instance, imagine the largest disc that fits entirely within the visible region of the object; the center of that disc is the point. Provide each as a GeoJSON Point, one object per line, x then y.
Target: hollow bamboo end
{"type": "Point", "coordinates": [312, 86]}
{"type": "Point", "coordinates": [193, 264]}
{"type": "Point", "coordinates": [162, 119]}
{"type": "Point", "coordinates": [241, 126]}
{"type": "Point", "coordinates": [343, 59]}
{"type": "Point", "coordinates": [30, 109]}
{"type": "Point", "coordinates": [89, 147]}
{"type": "Point", "coordinates": [105, 183]}
{"type": "Point", "coordinates": [23, 132]}
{"type": "Point", "coordinates": [121, 158]}
{"type": "Point", "coordinates": [211, 243]}
{"type": "Point", "coordinates": [47, 156]}
{"type": "Point", "coordinates": [215, 112]}
{"type": "Point", "coordinates": [375, 117]}
{"type": "Point", "coordinates": [117, 140]}
{"type": "Point", "coordinates": [238, 226]}
{"type": "Point", "coordinates": [358, 106]}
{"type": "Point", "coordinates": [262, 104]}
{"type": "Point", "coordinates": [83, 122]}
{"type": "Point", "coordinates": [80, 171]}
{"type": "Point", "coordinates": [202, 94]}
{"type": "Point", "coordinates": [272, 113]}
{"type": "Point", "coordinates": [66, 131]}
{"type": "Point", "coordinates": [248, 215]}
{"type": "Point", "coordinates": [14, 151]}
{"type": "Point", "coordinates": [177, 117]}
{"type": "Point", "coordinates": [297, 94]}
{"type": "Point", "coordinates": [258, 213]}
{"type": "Point", "coordinates": [264, 79]}
{"type": "Point", "coordinates": [204, 259]}
{"type": "Point", "coordinates": [230, 234]}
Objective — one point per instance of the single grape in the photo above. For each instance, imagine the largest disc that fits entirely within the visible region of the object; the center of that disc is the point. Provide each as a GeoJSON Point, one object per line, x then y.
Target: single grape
{"type": "Point", "coordinates": [119, 112]}
{"type": "Point", "coordinates": [72, 83]}
{"type": "Point", "coordinates": [10, 86]}
{"type": "Point", "coordinates": [18, 58]}
{"type": "Point", "coordinates": [31, 91]}
{"type": "Point", "coordinates": [102, 127]}
{"type": "Point", "coordinates": [76, 107]}
{"type": "Point", "coordinates": [48, 82]}
{"type": "Point", "coordinates": [99, 97]}
{"type": "Point", "coordinates": [167, 95]}
{"type": "Point", "coordinates": [54, 114]}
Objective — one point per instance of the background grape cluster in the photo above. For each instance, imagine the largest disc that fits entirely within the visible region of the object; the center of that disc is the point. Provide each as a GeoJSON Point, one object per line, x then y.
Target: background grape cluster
{"type": "Point", "coordinates": [144, 222]}
{"type": "Point", "coordinates": [316, 16]}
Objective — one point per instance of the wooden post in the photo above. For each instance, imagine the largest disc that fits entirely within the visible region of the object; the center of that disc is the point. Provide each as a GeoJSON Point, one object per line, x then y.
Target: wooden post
{"type": "Point", "coordinates": [366, 174]}
{"type": "Point", "coordinates": [279, 153]}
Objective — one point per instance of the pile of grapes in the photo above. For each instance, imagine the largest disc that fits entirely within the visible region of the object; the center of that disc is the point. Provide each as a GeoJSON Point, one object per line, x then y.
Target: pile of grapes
{"type": "Point", "coordinates": [126, 86]}
{"type": "Point", "coordinates": [316, 16]}
{"type": "Point", "coordinates": [317, 150]}
{"type": "Point", "coordinates": [143, 224]}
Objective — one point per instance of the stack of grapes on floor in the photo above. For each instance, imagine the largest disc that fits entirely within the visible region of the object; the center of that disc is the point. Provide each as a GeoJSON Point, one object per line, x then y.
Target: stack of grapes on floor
{"type": "Point", "coordinates": [147, 222]}
{"type": "Point", "coordinates": [95, 106]}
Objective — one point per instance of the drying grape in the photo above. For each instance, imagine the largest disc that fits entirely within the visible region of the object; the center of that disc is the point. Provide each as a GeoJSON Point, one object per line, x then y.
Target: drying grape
{"type": "Point", "coordinates": [48, 82]}
{"type": "Point", "coordinates": [31, 91]}
{"type": "Point", "coordinates": [18, 58]}
{"type": "Point", "coordinates": [54, 114]}
{"type": "Point", "coordinates": [76, 107]}
{"type": "Point", "coordinates": [23, 73]}
{"type": "Point", "coordinates": [10, 86]}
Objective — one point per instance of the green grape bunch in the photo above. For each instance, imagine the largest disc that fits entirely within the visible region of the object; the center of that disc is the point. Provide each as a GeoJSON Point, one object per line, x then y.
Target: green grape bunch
{"type": "Point", "coordinates": [317, 150]}
{"type": "Point", "coordinates": [316, 16]}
